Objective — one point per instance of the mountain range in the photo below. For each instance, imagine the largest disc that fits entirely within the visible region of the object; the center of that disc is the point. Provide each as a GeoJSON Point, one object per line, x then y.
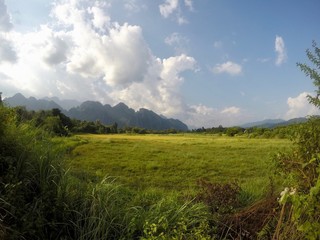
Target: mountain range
{"type": "Point", "coordinates": [271, 123]}
{"type": "Point", "coordinates": [106, 114]}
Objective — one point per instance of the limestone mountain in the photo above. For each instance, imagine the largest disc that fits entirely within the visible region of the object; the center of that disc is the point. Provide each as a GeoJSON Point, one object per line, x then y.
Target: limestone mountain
{"type": "Point", "coordinates": [106, 114]}
{"type": "Point", "coordinates": [124, 116]}
{"type": "Point", "coordinates": [31, 103]}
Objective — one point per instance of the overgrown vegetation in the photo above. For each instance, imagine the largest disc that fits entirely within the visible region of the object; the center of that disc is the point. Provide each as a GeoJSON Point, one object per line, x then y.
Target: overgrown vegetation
{"type": "Point", "coordinates": [300, 213]}
{"type": "Point", "coordinates": [40, 200]}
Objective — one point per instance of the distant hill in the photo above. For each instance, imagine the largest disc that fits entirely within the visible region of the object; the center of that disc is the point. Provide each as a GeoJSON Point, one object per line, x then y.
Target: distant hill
{"type": "Point", "coordinates": [31, 103]}
{"type": "Point", "coordinates": [124, 116]}
{"type": "Point", "coordinates": [271, 123]}
{"type": "Point", "coordinates": [106, 114]}
{"type": "Point", "coordinates": [265, 123]}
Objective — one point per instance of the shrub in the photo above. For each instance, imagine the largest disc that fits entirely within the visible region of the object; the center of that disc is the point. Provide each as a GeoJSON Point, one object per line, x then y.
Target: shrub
{"type": "Point", "coordinates": [170, 219]}
{"type": "Point", "coordinates": [300, 204]}
{"type": "Point", "coordinates": [221, 198]}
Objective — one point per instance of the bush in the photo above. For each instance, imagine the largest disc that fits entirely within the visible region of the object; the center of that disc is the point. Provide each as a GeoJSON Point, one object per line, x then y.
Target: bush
{"type": "Point", "coordinates": [220, 198]}
{"type": "Point", "coordinates": [300, 203]}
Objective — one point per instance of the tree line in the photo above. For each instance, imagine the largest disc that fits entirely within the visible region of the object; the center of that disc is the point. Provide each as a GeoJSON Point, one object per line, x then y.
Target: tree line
{"type": "Point", "coordinates": [58, 124]}
{"type": "Point", "coordinates": [252, 132]}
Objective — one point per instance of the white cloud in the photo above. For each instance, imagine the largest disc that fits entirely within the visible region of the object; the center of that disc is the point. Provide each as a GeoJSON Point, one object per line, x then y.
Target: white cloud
{"type": "Point", "coordinates": [174, 38]}
{"type": "Point", "coordinates": [228, 67]}
{"type": "Point", "coordinates": [170, 7]}
{"type": "Point", "coordinates": [300, 107]}
{"type": "Point", "coordinates": [204, 116]}
{"type": "Point", "coordinates": [160, 89]}
{"type": "Point", "coordinates": [177, 41]}
{"type": "Point", "coordinates": [280, 49]}
{"type": "Point", "coordinates": [189, 4]}
{"type": "Point", "coordinates": [100, 19]}
{"type": "Point", "coordinates": [5, 20]}
{"type": "Point", "coordinates": [231, 110]}
{"type": "Point", "coordinates": [181, 19]}
{"type": "Point", "coordinates": [167, 8]}
{"type": "Point", "coordinates": [56, 50]}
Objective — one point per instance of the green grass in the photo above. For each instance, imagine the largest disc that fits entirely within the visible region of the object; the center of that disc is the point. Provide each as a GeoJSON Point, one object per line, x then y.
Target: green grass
{"type": "Point", "coordinates": [176, 162]}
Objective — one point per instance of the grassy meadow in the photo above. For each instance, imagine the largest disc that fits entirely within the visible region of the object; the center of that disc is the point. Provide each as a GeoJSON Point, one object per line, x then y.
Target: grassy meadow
{"type": "Point", "coordinates": [176, 162]}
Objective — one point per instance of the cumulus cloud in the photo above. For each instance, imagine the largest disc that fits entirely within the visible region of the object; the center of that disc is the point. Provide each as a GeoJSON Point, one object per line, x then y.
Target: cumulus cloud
{"type": "Point", "coordinates": [300, 107]}
{"type": "Point", "coordinates": [55, 50]}
{"type": "Point", "coordinates": [120, 58]}
{"type": "Point", "coordinates": [5, 21]}
{"type": "Point", "coordinates": [280, 50]}
{"type": "Point", "coordinates": [100, 20]}
{"type": "Point", "coordinates": [228, 67]}
{"type": "Point", "coordinates": [160, 89]}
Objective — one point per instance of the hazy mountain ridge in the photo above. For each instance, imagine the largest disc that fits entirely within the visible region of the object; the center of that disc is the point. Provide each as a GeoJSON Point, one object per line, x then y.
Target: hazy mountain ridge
{"type": "Point", "coordinates": [271, 123]}
{"type": "Point", "coordinates": [106, 114]}
{"type": "Point", "coordinates": [31, 103]}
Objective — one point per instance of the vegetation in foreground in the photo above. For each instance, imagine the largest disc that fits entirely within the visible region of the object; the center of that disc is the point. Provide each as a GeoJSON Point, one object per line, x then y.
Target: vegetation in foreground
{"type": "Point", "coordinates": [40, 200]}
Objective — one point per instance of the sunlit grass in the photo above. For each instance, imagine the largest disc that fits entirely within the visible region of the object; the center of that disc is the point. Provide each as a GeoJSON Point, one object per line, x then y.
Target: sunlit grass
{"type": "Point", "coordinates": [176, 162]}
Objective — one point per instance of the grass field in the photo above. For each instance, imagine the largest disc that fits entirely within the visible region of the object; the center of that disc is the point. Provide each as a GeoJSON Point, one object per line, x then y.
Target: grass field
{"type": "Point", "coordinates": [176, 162]}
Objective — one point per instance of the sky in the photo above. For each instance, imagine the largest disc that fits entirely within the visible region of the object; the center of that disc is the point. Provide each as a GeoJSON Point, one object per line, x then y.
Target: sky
{"type": "Point", "coordinates": [205, 62]}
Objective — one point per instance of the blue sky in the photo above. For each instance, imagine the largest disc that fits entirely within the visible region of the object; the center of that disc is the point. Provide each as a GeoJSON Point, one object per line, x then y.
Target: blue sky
{"type": "Point", "coordinates": [206, 62]}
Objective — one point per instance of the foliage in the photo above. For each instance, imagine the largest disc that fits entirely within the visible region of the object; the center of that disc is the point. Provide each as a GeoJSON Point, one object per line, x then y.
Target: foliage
{"type": "Point", "coordinates": [313, 73]}
{"type": "Point", "coordinates": [232, 131]}
{"type": "Point", "coordinates": [168, 219]}
{"type": "Point", "coordinates": [303, 162]}
{"type": "Point", "coordinates": [252, 132]}
{"type": "Point", "coordinates": [302, 202]}
{"type": "Point", "coordinates": [300, 211]}
{"type": "Point", "coordinates": [30, 173]}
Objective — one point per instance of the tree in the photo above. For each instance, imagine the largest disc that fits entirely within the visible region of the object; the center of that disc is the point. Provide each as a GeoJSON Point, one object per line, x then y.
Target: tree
{"type": "Point", "coordinates": [313, 73]}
